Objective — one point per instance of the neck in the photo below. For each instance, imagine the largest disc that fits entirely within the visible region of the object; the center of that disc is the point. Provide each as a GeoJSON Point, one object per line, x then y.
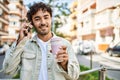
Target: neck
{"type": "Point", "coordinates": [45, 37]}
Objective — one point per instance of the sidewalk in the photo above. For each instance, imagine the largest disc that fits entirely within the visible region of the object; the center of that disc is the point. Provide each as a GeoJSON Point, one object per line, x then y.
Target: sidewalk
{"type": "Point", "coordinates": [107, 56]}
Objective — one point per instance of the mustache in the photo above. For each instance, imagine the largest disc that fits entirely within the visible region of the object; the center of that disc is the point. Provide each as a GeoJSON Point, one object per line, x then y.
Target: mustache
{"type": "Point", "coordinates": [43, 25]}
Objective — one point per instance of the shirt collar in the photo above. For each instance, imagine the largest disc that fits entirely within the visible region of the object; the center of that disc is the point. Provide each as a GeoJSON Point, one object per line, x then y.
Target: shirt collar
{"type": "Point", "coordinates": [34, 39]}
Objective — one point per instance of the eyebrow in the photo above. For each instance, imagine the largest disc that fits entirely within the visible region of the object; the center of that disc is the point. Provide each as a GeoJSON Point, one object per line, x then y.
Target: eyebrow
{"type": "Point", "coordinates": [36, 17]}
{"type": "Point", "coordinates": [39, 17]}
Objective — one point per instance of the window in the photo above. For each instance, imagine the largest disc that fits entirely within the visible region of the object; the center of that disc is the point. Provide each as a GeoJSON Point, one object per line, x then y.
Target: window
{"type": "Point", "coordinates": [12, 23]}
{"type": "Point", "coordinates": [0, 25]}
{"type": "Point", "coordinates": [1, 11]}
{"type": "Point", "coordinates": [1, 0]}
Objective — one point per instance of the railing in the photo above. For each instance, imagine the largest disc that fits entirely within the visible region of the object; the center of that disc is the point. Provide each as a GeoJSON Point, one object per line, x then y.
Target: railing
{"type": "Point", "coordinates": [102, 70]}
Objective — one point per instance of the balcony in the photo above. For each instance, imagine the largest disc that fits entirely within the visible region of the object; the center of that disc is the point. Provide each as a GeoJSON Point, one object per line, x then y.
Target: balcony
{"type": "Point", "coordinates": [85, 5]}
{"type": "Point", "coordinates": [19, 5]}
{"type": "Point", "coordinates": [2, 32]}
{"type": "Point", "coordinates": [6, 1]}
{"type": "Point", "coordinates": [87, 30]}
{"type": "Point", "coordinates": [16, 12]}
{"type": "Point", "coordinates": [4, 7]}
{"type": "Point", "coordinates": [2, 19]}
{"type": "Point", "coordinates": [85, 15]}
{"type": "Point", "coordinates": [103, 19]}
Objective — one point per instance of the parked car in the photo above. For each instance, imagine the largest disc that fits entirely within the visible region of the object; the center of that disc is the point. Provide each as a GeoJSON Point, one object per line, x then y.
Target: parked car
{"type": "Point", "coordinates": [115, 50]}
{"type": "Point", "coordinates": [2, 51]}
{"type": "Point", "coordinates": [87, 47]}
{"type": "Point", "coordinates": [3, 48]}
{"type": "Point", "coordinates": [76, 46]}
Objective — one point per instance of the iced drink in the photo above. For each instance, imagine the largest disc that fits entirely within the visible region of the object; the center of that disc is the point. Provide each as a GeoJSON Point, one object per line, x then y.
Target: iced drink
{"type": "Point", "coordinates": [55, 45]}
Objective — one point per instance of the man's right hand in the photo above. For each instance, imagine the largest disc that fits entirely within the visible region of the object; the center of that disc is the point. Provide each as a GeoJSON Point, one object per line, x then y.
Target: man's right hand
{"type": "Point", "coordinates": [24, 32]}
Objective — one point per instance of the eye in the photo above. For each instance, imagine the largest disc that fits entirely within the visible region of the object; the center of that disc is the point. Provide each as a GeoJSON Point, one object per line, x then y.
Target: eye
{"type": "Point", "coordinates": [36, 19]}
{"type": "Point", "coordinates": [46, 17]}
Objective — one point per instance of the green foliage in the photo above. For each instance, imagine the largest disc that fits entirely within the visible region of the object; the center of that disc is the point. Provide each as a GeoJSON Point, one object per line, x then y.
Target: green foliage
{"type": "Point", "coordinates": [90, 76]}
{"type": "Point", "coordinates": [60, 34]}
{"type": "Point", "coordinates": [60, 9]}
{"type": "Point", "coordinates": [17, 76]}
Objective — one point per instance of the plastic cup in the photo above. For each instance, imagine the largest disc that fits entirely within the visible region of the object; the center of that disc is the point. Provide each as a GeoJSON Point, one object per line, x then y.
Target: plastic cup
{"type": "Point", "coordinates": [56, 43]}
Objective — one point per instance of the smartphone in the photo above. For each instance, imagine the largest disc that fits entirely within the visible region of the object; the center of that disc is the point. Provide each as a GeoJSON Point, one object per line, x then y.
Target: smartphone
{"type": "Point", "coordinates": [28, 31]}
{"type": "Point", "coordinates": [28, 27]}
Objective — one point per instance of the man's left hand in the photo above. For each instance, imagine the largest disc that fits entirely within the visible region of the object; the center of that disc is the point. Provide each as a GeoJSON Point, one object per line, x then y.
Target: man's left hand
{"type": "Point", "coordinates": [62, 56]}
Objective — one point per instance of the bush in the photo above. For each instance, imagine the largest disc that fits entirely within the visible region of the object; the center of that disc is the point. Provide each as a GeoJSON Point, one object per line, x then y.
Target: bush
{"type": "Point", "coordinates": [90, 76]}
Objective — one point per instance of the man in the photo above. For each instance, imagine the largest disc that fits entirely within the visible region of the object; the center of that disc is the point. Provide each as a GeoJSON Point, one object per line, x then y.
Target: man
{"type": "Point", "coordinates": [33, 57]}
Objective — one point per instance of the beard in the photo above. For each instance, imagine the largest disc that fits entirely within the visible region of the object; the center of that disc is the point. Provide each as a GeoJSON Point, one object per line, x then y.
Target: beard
{"type": "Point", "coordinates": [42, 32]}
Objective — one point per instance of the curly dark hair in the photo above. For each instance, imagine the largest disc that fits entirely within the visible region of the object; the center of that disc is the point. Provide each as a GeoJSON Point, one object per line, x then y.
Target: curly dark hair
{"type": "Point", "coordinates": [37, 6]}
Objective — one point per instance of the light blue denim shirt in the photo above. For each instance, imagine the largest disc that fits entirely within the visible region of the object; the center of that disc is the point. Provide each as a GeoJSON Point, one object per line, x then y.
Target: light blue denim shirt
{"type": "Point", "coordinates": [26, 57]}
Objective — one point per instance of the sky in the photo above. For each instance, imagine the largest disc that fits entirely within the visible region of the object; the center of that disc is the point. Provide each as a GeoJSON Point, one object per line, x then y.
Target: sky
{"type": "Point", "coordinates": [26, 2]}
{"type": "Point", "coordinates": [31, 1]}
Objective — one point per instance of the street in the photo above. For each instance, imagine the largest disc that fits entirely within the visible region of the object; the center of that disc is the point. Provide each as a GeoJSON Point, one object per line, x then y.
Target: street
{"type": "Point", "coordinates": [99, 60]}
{"type": "Point", "coordinates": [3, 76]}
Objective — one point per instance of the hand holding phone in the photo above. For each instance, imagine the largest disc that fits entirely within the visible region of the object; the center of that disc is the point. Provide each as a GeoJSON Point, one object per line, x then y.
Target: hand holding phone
{"type": "Point", "coordinates": [28, 30]}
{"type": "Point", "coordinates": [25, 31]}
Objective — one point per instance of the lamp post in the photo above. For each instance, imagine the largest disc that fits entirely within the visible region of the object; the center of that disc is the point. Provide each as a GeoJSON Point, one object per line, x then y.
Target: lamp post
{"type": "Point", "coordinates": [91, 59]}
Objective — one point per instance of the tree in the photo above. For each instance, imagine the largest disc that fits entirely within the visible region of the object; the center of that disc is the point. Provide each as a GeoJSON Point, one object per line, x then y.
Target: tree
{"type": "Point", "coordinates": [63, 12]}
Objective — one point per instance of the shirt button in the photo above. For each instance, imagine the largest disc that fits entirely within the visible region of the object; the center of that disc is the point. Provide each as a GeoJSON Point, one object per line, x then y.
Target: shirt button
{"type": "Point", "coordinates": [49, 69]}
{"type": "Point", "coordinates": [48, 56]}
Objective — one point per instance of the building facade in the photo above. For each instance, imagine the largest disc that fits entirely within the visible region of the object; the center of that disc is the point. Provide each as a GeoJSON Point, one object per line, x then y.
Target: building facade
{"type": "Point", "coordinates": [99, 20]}
{"type": "Point", "coordinates": [16, 13]}
{"type": "Point", "coordinates": [4, 22]}
{"type": "Point", "coordinates": [86, 18]}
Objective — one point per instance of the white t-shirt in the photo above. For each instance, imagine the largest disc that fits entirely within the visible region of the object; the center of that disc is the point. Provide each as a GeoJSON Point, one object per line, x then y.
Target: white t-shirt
{"type": "Point", "coordinates": [43, 70]}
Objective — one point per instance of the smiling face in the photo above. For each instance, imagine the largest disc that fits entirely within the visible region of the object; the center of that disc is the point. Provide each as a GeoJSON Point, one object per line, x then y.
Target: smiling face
{"type": "Point", "coordinates": [42, 22]}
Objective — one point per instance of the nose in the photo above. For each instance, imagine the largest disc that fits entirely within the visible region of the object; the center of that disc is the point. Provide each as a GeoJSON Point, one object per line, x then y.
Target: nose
{"type": "Point", "coordinates": [42, 22]}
